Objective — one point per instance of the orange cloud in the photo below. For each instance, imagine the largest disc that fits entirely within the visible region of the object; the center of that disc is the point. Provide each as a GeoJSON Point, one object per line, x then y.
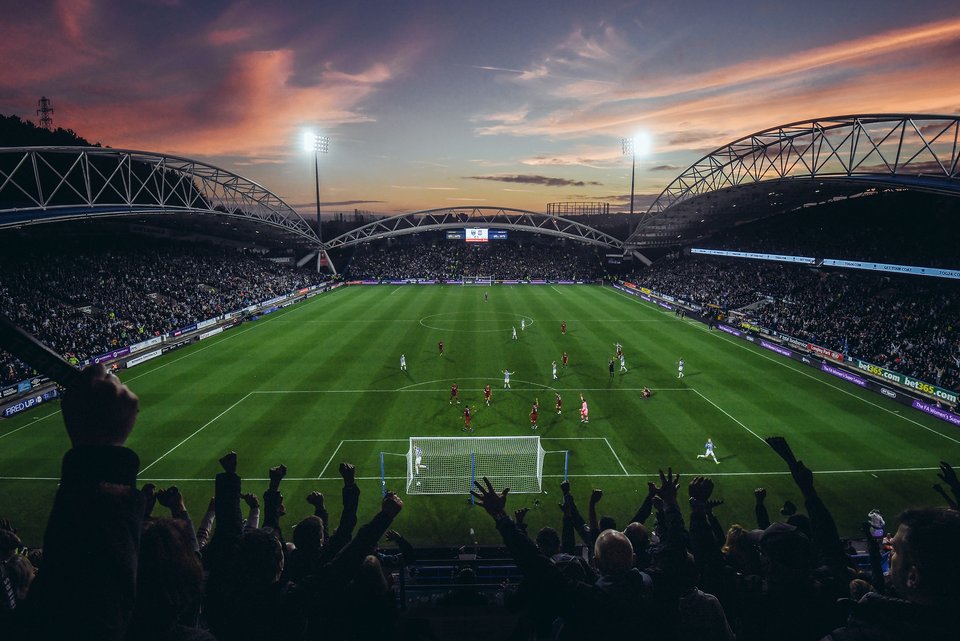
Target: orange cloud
{"type": "Point", "coordinates": [259, 116]}
{"type": "Point", "coordinates": [867, 49]}
{"type": "Point", "coordinates": [881, 72]}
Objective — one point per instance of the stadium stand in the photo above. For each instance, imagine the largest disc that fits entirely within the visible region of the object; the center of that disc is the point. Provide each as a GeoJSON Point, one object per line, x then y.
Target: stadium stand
{"type": "Point", "coordinates": [87, 302]}
{"type": "Point", "coordinates": [904, 323]}
{"type": "Point", "coordinates": [453, 260]}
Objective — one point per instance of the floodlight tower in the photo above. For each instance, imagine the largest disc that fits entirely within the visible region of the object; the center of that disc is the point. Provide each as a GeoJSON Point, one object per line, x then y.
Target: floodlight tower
{"type": "Point", "coordinates": [317, 144]}
{"type": "Point", "coordinates": [45, 111]}
{"type": "Point", "coordinates": [639, 144]}
{"type": "Point", "coordinates": [630, 149]}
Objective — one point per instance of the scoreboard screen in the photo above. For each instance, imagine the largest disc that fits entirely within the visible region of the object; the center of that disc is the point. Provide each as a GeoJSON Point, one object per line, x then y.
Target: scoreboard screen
{"type": "Point", "coordinates": [476, 234]}
{"type": "Point", "coordinates": [482, 234]}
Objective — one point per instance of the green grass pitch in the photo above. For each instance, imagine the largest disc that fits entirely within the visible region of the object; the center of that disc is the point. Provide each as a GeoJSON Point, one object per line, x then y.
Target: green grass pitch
{"type": "Point", "coordinates": [319, 383]}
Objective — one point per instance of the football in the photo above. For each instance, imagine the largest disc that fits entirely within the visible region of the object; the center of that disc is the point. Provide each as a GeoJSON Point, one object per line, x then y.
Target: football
{"type": "Point", "coordinates": [418, 483]}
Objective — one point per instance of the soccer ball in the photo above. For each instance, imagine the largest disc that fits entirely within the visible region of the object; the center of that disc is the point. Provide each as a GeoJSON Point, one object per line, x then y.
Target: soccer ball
{"type": "Point", "coordinates": [418, 483]}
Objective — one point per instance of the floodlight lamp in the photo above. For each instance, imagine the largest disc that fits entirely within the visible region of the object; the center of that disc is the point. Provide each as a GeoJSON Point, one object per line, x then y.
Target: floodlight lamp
{"type": "Point", "coordinates": [316, 143]}
{"type": "Point", "coordinates": [642, 143]}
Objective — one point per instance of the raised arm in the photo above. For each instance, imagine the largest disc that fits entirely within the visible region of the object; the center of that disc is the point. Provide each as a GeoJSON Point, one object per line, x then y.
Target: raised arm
{"type": "Point", "coordinates": [595, 497]}
{"type": "Point", "coordinates": [348, 517]}
{"type": "Point", "coordinates": [760, 509]}
{"type": "Point", "coordinates": [91, 544]}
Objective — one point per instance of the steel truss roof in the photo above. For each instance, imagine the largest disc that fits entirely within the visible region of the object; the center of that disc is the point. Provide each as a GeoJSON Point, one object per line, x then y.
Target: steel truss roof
{"type": "Point", "coordinates": [47, 184]}
{"type": "Point", "coordinates": [458, 217]}
{"type": "Point", "coordinates": [913, 151]}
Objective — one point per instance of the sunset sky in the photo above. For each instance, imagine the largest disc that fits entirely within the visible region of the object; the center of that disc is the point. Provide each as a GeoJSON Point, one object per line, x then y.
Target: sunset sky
{"type": "Point", "coordinates": [437, 104]}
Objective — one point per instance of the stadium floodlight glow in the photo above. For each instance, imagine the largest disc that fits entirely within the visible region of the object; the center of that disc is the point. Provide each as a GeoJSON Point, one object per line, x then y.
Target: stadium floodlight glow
{"type": "Point", "coordinates": [315, 142]}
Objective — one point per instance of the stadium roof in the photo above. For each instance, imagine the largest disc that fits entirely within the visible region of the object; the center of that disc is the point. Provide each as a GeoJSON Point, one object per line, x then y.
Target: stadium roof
{"type": "Point", "coordinates": [802, 164]}
{"type": "Point", "coordinates": [50, 184]}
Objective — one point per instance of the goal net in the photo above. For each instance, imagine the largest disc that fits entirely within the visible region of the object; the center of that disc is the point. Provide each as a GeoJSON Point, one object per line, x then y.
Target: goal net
{"type": "Point", "coordinates": [441, 465]}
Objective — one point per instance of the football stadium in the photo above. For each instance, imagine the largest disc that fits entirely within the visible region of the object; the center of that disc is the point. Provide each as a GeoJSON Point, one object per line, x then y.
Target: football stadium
{"type": "Point", "coordinates": [412, 354]}
{"type": "Point", "coordinates": [712, 415]}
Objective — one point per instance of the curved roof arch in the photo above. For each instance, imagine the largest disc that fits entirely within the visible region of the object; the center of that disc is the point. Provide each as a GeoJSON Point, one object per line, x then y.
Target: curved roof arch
{"type": "Point", "coordinates": [49, 184]}
{"type": "Point", "coordinates": [458, 217]}
{"type": "Point", "coordinates": [788, 166]}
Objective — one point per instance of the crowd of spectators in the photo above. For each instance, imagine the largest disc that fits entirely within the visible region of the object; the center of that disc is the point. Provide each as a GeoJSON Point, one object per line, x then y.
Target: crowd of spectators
{"type": "Point", "coordinates": [901, 228]}
{"type": "Point", "coordinates": [452, 260]}
{"type": "Point", "coordinates": [908, 324]}
{"type": "Point", "coordinates": [110, 569]}
{"type": "Point", "coordinates": [83, 304]}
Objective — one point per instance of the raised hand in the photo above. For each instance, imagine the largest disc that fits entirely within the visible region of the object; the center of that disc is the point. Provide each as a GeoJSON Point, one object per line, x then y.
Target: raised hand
{"type": "Point", "coordinates": [251, 500]}
{"type": "Point", "coordinates": [149, 493]}
{"type": "Point", "coordinates": [229, 462]}
{"type": "Point", "coordinates": [171, 499]}
{"type": "Point", "coordinates": [495, 504]}
{"type": "Point", "coordinates": [760, 494]}
{"type": "Point", "coordinates": [277, 473]}
{"type": "Point", "coordinates": [315, 499]}
{"type": "Point", "coordinates": [565, 487]}
{"type": "Point", "coordinates": [700, 489]}
{"type": "Point", "coordinates": [348, 472]}
{"type": "Point", "coordinates": [391, 505]}
{"type": "Point", "coordinates": [667, 490]}
{"type": "Point", "coordinates": [782, 448]}
{"type": "Point", "coordinates": [596, 496]}
{"type": "Point", "coordinates": [949, 476]}
{"type": "Point", "coordinates": [98, 409]}
{"type": "Point", "coordinates": [393, 536]}
{"type": "Point", "coordinates": [946, 497]}
{"type": "Point", "coordinates": [520, 514]}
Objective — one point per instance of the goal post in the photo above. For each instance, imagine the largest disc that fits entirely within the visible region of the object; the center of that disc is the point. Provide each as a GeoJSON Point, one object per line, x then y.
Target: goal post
{"type": "Point", "coordinates": [450, 465]}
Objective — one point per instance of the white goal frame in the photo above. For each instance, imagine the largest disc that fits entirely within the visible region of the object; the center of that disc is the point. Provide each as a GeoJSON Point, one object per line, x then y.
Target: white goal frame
{"type": "Point", "coordinates": [450, 465]}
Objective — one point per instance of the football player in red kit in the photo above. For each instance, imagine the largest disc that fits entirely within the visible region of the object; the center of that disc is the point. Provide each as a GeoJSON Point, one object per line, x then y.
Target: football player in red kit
{"type": "Point", "coordinates": [467, 417]}
{"type": "Point", "coordinates": [487, 393]}
{"type": "Point", "coordinates": [563, 327]}
{"type": "Point", "coordinates": [559, 403]}
{"type": "Point", "coordinates": [564, 359]}
{"type": "Point", "coordinates": [453, 394]}
{"type": "Point", "coordinates": [533, 417]}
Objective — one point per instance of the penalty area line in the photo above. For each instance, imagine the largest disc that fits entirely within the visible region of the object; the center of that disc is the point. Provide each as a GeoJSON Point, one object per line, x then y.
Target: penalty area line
{"type": "Point", "coordinates": [729, 416]}
{"type": "Point", "coordinates": [330, 460]}
{"type": "Point", "coordinates": [210, 422]}
{"type": "Point", "coordinates": [614, 452]}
